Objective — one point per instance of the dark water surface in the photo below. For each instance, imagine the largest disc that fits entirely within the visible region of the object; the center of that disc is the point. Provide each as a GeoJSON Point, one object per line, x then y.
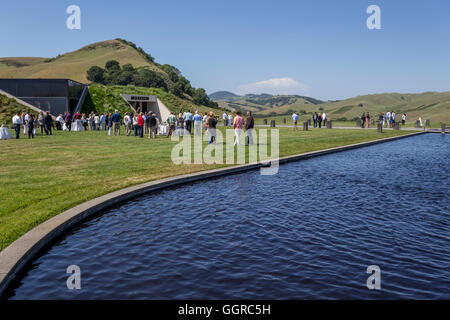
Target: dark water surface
{"type": "Point", "coordinates": [309, 232]}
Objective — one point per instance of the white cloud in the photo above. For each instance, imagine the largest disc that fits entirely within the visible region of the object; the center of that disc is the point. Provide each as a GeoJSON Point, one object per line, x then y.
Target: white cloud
{"type": "Point", "coordinates": [274, 86]}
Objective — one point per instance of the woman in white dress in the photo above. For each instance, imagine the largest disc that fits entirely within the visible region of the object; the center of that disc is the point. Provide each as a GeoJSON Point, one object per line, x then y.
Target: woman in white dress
{"type": "Point", "coordinates": [5, 134]}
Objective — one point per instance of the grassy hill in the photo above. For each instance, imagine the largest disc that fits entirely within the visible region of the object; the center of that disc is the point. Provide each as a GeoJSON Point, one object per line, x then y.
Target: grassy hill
{"type": "Point", "coordinates": [73, 65]}
{"type": "Point", "coordinates": [9, 108]}
{"type": "Point", "coordinates": [265, 104]}
{"type": "Point", "coordinates": [434, 106]}
{"type": "Point", "coordinates": [429, 105]}
{"type": "Point", "coordinates": [107, 98]}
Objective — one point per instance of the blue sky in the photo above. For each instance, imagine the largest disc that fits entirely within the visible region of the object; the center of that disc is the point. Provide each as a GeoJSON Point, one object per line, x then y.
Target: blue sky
{"type": "Point", "coordinates": [318, 48]}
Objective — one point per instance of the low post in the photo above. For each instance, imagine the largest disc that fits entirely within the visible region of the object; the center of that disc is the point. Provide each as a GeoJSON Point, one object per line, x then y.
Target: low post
{"type": "Point", "coordinates": [417, 124]}
{"type": "Point", "coordinates": [358, 123]}
{"type": "Point", "coordinates": [428, 123]}
{"type": "Point", "coordinates": [309, 122]}
{"type": "Point", "coordinates": [265, 122]}
{"type": "Point", "coordinates": [397, 126]}
{"type": "Point", "coordinates": [443, 128]}
{"type": "Point", "coordinates": [272, 123]}
{"type": "Point", "coordinates": [329, 124]}
{"type": "Point", "coordinates": [284, 120]}
{"type": "Point", "coordinates": [380, 128]}
{"type": "Point", "coordinates": [372, 122]}
{"type": "Point", "coordinates": [305, 126]}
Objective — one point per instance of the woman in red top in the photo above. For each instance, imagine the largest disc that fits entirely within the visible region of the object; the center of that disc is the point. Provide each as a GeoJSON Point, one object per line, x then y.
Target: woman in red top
{"type": "Point", "coordinates": [141, 125]}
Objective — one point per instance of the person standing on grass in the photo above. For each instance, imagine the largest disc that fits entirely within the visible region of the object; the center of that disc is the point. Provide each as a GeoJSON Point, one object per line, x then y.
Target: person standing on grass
{"type": "Point", "coordinates": [392, 118]}
{"type": "Point", "coordinates": [109, 123]}
{"type": "Point", "coordinates": [26, 118]}
{"type": "Point", "coordinates": [368, 120]}
{"type": "Point", "coordinates": [238, 124]}
{"type": "Point", "coordinates": [171, 120]}
{"type": "Point", "coordinates": [211, 124]}
{"type": "Point", "coordinates": [135, 124]}
{"type": "Point", "coordinates": [91, 122]}
{"type": "Point", "coordinates": [197, 124]}
{"type": "Point", "coordinates": [188, 117]}
{"type": "Point", "coordinates": [295, 120]}
{"type": "Point", "coordinates": [249, 125]}
{"type": "Point", "coordinates": [115, 119]}
{"type": "Point", "coordinates": [48, 123]}
{"type": "Point", "coordinates": [144, 116]}
{"type": "Point", "coordinates": [404, 119]}
{"type": "Point", "coordinates": [102, 122]}
{"type": "Point", "coordinates": [230, 120]}
{"type": "Point", "coordinates": [17, 121]}
{"type": "Point", "coordinates": [324, 119]}
{"type": "Point", "coordinates": [59, 122]}
{"type": "Point", "coordinates": [388, 118]}
{"type": "Point", "coordinates": [127, 123]}
{"type": "Point", "coordinates": [152, 125]}
{"type": "Point", "coordinates": [41, 122]}
{"type": "Point", "coordinates": [68, 121]}
{"type": "Point", "coordinates": [315, 119]}
{"type": "Point", "coordinates": [363, 120]}
{"type": "Point", "coordinates": [141, 123]}
{"type": "Point", "coordinates": [85, 122]}
{"type": "Point", "coordinates": [319, 120]}
{"type": "Point", "coordinates": [205, 118]}
{"type": "Point", "coordinates": [225, 119]}
{"type": "Point", "coordinates": [30, 126]}
{"type": "Point", "coordinates": [180, 125]}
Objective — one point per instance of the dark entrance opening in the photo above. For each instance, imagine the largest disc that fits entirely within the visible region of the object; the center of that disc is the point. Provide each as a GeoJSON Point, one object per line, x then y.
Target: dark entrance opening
{"type": "Point", "coordinates": [140, 106]}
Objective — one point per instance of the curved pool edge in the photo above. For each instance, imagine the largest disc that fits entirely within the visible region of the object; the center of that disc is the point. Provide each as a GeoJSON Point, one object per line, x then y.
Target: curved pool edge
{"type": "Point", "coordinates": [22, 251]}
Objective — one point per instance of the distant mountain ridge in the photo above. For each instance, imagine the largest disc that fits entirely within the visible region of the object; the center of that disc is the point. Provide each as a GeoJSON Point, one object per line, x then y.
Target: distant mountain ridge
{"type": "Point", "coordinates": [428, 105]}
{"type": "Point", "coordinates": [263, 103]}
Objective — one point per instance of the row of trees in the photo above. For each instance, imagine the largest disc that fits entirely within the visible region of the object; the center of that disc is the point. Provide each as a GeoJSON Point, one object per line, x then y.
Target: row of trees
{"type": "Point", "coordinates": [114, 74]}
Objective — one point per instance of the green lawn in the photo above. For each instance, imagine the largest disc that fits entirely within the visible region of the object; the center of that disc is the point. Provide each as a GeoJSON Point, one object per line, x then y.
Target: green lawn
{"type": "Point", "coordinates": [45, 176]}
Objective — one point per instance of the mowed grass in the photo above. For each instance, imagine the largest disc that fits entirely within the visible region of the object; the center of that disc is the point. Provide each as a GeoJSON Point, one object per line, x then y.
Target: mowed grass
{"type": "Point", "coordinates": [41, 178]}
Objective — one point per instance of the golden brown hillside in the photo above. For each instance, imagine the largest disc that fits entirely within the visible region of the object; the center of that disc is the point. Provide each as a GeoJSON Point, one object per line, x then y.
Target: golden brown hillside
{"type": "Point", "coordinates": [73, 65]}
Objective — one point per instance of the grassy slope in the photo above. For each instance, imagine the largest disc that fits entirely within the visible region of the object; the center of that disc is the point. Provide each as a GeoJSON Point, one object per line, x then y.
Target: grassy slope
{"type": "Point", "coordinates": [45, 176]}
{"type": "Point", "coordinates": [74, 65]}
{"type": "Point", "coordinates": [107, 98]}
{"type": "Point", "coordinates": [9, 108]}
{"type": "Point", "coordinates": [434, 106]}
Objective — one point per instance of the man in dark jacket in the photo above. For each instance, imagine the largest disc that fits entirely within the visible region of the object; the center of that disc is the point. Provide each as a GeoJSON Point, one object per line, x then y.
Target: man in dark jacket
{"type": "Point", "coordinates": [68, 120]}
{"type": "Point", "coordinates": [115, 119]}
{"type": "Point", "coordinates": [249, 125]}
{"type": "Point", "coordinates": [48, 123]}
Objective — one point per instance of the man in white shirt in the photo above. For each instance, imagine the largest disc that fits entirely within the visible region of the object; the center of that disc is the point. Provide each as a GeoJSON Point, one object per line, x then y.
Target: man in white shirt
{"type": "Point", "coordinates": [16, 123]}
{"type": "Point", "coordinates": [103, 122]}
{"type": "Point", "coordinates": [225, 119]}
{"type": "Point", "coordinates": [295, 119]}
{"type": "Point", "coordinates": [127, 123]}
{"type": "Point", "coordinates": [26, 118]}
{"type": "Point", "coordinates": [324, 119]}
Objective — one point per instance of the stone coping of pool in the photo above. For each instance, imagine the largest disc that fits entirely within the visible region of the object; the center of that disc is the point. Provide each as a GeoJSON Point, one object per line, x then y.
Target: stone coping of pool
{"type": "Point", "coordinates": [22, 251]}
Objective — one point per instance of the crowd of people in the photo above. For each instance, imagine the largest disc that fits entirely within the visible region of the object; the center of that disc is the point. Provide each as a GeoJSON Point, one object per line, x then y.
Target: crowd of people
{"type": "Point", "coordinates": [139, 124]}
{"type": "Point", "coordinates": [387, 119]}
{"type": "Point", "coordinates": [30, 124]}
{"type": "Point", "coordinates": [142, 124]}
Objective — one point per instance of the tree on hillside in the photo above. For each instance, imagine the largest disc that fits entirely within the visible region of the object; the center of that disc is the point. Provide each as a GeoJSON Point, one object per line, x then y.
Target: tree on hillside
{"type": "Point", "coordinates": [176, 89]}
{"type": "Point", "coordinates": [112, 65]}
{"type": "Point", "coordinates": [96, 74]}
{"type": "Point", "coordinates": [149, 79]}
